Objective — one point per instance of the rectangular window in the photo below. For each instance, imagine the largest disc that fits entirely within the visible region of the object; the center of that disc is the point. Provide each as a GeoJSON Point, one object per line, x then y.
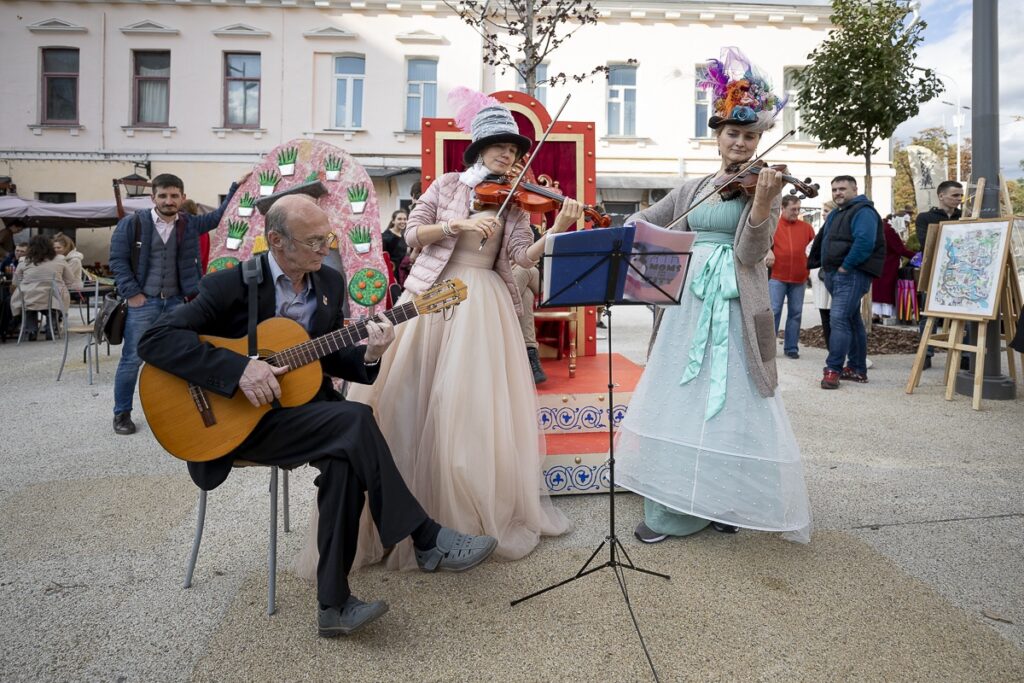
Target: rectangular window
{"type": "Point", "coordinates": [791, 114]}
{"type": "Point", "coordinates": [349, 73]}
{"type": "Point", "coordinates": [56, 197]}
{"type": "Point", "coordinates": [60, 85]}
{"type": "Point", "coordinates": [701, 102]}
{"type": "Point", "coordinates": [620, 211]}
{"type": "Point", "coordinates": [241, 90]}
{"type": "Point", "coordinates": [541, 73]}
{"type": "Point", "coordinates": [622, 101]}
{"type": "Point", "coordinates": [152, 87]}
{"type": "Point", "coordinates": [420, 92]}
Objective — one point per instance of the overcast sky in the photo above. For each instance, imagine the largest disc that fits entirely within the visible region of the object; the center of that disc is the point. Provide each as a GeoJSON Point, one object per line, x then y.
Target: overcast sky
{"type": "Point", "coordinates": [947, 49]}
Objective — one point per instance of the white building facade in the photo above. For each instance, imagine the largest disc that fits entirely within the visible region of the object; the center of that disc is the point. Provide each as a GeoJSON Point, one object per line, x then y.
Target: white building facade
{"type": "Point", "coordinates": [202, 88]}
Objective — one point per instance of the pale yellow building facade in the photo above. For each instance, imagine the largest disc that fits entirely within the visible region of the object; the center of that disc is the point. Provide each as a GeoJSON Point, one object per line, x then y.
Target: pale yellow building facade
{"type": "Point", "coordinates": [202, 88]}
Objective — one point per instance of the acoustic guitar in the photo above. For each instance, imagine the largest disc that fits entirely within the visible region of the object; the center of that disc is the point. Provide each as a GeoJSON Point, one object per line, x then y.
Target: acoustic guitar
{"type": "Point", "coordinates": [196, 425]}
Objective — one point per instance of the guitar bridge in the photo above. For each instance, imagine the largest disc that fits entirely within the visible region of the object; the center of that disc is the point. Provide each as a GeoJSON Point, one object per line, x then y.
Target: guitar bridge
{"type": "Point", "coordinates": [202, 405]}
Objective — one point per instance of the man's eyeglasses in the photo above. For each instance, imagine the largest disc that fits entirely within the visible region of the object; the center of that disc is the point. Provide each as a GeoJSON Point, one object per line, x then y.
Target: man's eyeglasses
{"type": "Point", "coordinates": [317, 243]}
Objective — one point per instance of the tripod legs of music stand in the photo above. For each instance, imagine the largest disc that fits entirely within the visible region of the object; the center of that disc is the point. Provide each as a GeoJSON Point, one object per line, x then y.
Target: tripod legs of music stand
{"type": "Point", "coordinates": [614, 545]}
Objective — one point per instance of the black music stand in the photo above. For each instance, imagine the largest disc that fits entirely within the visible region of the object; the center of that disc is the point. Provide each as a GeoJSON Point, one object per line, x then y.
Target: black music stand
{"type": "Point", "coordinates": [612, 260]}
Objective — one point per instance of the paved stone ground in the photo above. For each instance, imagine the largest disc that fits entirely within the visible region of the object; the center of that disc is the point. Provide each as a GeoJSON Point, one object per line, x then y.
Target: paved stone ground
{"type": "Point", "coordinates": [914, 572]}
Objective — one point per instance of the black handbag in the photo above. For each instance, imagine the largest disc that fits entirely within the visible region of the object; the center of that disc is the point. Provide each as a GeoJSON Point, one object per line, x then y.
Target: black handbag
{"type": "Point", "coordinates": [110, 322]}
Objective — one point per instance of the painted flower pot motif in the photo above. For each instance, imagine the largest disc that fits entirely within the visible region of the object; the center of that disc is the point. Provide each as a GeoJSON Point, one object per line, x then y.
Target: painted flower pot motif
{"type": "Point", "coordinates": [357, 196]}
{"type": "Point", "coordinates": [360, 238]}
{"type": "Point", "coordinates": [236, 233]}
{"type": "Point", "coordinates": [286, 159]}
{"type": "Point", "coordinates": [246, 205]}
{"type": "Point", "coordinates": [268, 180]}
{"type": "Point", "coordinates": [332, 167]}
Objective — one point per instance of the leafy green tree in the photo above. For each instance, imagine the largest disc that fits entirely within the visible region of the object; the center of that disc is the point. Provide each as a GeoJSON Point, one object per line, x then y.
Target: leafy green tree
{"type": "Point", "coordinates": [1016, 190]}
{"type": "Point", "coordinates": [861, 82]}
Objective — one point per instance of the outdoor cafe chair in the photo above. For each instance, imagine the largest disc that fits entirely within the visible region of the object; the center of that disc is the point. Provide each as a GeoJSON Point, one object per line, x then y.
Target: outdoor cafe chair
{"type": "Point", "coordinates": [89, 353]}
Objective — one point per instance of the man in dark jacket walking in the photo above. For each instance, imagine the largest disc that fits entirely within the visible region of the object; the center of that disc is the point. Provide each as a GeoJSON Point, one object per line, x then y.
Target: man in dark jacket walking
{"type": "Point", "coordinates": [850, 250]}
{"type": "Point", "coordinates": [166, 274]}
{"type": "Point", "coordinates": [951, 195]}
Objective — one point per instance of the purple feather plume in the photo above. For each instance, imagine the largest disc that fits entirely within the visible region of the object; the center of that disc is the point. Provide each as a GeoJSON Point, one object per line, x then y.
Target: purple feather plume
{"type": "Point", "coordinates": [714, 78]}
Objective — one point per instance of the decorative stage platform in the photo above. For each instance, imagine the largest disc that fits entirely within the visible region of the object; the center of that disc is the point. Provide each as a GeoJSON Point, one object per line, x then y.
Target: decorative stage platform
{"type": "Point", "coordinates": [573, 415]}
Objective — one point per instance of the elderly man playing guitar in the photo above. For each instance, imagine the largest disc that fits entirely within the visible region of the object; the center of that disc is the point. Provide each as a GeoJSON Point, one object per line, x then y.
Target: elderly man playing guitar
{"type": "Point", "coordinates": [338, 437]}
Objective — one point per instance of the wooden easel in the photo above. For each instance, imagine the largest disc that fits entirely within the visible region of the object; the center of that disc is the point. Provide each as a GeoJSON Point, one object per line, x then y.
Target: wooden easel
{"type": "Point", "coordinates": [952, 333]}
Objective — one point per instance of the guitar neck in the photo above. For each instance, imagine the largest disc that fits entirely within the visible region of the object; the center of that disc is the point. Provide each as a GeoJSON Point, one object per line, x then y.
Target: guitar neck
{"type": "Point", "coordinates": [350, 335]}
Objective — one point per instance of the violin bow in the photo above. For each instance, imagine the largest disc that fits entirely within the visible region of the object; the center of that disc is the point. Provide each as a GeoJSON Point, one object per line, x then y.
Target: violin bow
{"type": "Point", "coordinates": [743, 170]}
{"type": "Point", "coordinates": [526, 166]}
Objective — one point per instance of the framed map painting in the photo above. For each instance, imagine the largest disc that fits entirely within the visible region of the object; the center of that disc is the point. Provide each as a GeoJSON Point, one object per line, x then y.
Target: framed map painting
{"type": "Point", "coordinates": [968, 271]}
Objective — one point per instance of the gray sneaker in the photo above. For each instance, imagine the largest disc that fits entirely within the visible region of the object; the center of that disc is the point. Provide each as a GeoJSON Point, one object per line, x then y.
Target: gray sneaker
{"type": "Point", "coordinates": [341, 621]}
{"type": "Point", "coordinates": [646, 534]}
{"type": "Point", "coordinates": [456, 552]}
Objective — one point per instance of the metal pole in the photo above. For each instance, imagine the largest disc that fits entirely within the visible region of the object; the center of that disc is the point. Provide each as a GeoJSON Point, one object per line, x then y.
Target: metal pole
{"type": "Point", "coordinates": [985, 147]}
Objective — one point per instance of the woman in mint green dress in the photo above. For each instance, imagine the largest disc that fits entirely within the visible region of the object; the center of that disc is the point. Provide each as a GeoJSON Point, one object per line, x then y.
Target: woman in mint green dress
{"type": "Point", "coordinates": [707, 440]}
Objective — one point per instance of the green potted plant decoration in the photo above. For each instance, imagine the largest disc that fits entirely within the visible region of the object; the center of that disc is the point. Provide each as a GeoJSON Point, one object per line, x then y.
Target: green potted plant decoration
{"type": "Point", "coordinates": [360, 237]}
{"type": "Point", "coordinates": [236, 231]}
{"type": "Point", "coordinates": [357, 196]}
{"type": "Point", "coordinates": [246, 204]}
{"type": "Point", "coordinates": [286, 160]}
{"type": "Point", "coordinates": [332, 166]}
{"type": "Point", "coordinates": [268, 179]}
{"type": "Point", "coordinates": [313, 176]}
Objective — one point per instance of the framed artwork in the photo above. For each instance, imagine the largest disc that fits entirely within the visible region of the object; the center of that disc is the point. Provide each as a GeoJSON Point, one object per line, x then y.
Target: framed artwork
{"type": "Point", "coordinates": [1017, 249]}
{"type": "Point", "coordinates": [968, 269]}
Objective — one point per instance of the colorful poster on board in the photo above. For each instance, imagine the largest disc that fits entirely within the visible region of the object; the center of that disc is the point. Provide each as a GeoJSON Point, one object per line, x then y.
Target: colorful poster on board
{"type": "Point", "coordinates": [350, 204]}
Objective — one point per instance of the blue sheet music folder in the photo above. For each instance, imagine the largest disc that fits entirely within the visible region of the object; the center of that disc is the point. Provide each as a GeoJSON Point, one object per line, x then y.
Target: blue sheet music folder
{"type": "Point", "coordinates": [577, 267]}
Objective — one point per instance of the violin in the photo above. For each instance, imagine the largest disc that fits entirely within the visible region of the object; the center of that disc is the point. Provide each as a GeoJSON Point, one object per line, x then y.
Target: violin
{"type": "Point", "coordinates": [530, 198]}
{"type": "Point", "coordinates": [745, 183]}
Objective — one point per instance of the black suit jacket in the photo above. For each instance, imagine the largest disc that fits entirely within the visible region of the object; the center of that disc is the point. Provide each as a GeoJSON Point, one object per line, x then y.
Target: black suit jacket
{"type": "Point", "coordinates": [222, 309]}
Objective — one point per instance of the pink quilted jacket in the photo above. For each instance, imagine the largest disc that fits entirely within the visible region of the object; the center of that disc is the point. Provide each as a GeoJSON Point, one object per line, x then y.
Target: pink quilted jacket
{"type": "Point", "coordinates": [447, 200]}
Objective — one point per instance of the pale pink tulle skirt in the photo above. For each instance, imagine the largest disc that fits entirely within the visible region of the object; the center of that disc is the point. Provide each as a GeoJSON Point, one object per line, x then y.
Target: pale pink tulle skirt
{"type": "Point", "coordinates": [456, 401]}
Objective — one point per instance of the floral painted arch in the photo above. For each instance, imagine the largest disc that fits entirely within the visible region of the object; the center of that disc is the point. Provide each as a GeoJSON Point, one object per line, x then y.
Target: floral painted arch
{"type": "Point", "coordinates": [350, 204]}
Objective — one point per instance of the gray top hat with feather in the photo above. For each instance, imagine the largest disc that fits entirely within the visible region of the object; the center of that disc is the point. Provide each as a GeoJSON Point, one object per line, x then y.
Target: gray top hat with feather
{"type": "Point", "coordinates": [491, 125]}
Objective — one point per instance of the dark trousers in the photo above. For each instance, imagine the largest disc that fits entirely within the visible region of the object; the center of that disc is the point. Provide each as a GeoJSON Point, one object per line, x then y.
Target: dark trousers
{"type": "Point", "coordinates": [342, 440]}
{"type": "Point", "coordinates": [826, 324]}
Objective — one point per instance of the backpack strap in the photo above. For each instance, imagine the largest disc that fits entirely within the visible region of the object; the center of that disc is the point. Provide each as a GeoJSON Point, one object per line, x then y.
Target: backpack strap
{"type": "Point", "coordinates": [252, 275]}
{"type": "Point", "coordinates": [136, 245]}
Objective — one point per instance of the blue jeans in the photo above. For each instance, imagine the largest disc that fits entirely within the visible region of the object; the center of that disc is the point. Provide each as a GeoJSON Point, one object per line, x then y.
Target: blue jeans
{"type": "Point", "coordinates": [848, 344]}
{"type": "Point", "coordinates": [780, 291]}
{"type": "Point", "coordinates": [139, 320]}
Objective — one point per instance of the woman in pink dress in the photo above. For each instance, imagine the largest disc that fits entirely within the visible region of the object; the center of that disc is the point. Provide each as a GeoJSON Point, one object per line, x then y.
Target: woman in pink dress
{"type": "Point", "coordinates": [455, 396]}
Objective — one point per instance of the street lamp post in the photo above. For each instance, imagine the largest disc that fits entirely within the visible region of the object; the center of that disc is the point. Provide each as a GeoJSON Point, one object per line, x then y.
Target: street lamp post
{"type": "Point", "coordinates": [985, 163]}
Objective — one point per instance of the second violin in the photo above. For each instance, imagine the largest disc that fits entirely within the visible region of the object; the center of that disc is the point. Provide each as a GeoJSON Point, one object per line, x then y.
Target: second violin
{"type": "Point", "coordinates": [745, 183]}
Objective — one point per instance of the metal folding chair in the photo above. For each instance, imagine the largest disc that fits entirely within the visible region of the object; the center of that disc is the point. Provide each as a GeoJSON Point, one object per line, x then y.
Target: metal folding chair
{"type": "Point", "coordinates": [272, 551]}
